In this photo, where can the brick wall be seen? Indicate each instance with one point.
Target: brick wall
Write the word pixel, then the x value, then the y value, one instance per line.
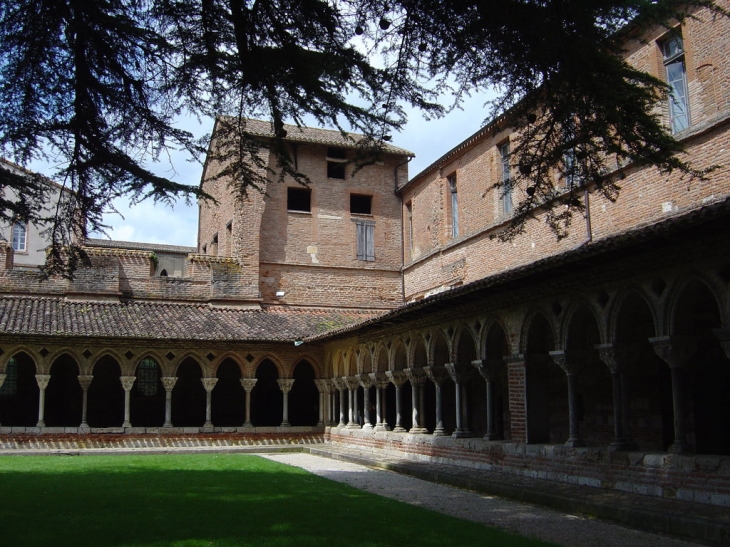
pixel 439 261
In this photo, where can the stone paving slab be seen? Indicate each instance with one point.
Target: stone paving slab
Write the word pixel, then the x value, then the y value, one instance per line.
pixel 702 523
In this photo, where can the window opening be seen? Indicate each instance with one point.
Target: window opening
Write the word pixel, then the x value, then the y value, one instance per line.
pixel 361 204
pixel 336 160
pixel 454 206
pixel 299 200
pixel 365 240
pixel 506 179
pixel 10 386
pixel 148 376
pixel 409 220
pixel 20 237
pixel 229 238
pixel 163 273
pixel 673 52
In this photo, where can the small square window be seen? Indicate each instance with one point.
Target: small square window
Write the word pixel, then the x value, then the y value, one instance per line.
pixel 361 204
pixel 336 160
pixel 299 199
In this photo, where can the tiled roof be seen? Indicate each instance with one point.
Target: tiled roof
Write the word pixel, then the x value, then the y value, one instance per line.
pixel 43 316
pixel 19 169
pixel 137 246
pixel 316 135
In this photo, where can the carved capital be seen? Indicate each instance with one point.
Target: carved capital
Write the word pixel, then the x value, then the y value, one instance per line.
pixel 723 335
pixel 436 373
pixel 248 383
pixel 676 351
pixel 487 368
pixel 339 384
pixel 285 384
pixel 323 386
pixel 610 357
pixel 209 383
pixel 42 380
pixel 365 381
pixel 459 373
pixel 351 382
pixel 85 381
pixel 2 379
pixel 397 377
pixel 380 379
pixel 417 376
pixel 168 382
pixel 127 382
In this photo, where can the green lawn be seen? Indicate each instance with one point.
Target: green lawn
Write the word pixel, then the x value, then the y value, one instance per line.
pixel 208 500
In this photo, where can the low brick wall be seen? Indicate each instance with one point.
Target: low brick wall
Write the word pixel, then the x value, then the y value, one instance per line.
pixel 696 478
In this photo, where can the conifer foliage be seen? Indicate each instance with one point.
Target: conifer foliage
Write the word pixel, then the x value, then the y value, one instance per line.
pixel 96 87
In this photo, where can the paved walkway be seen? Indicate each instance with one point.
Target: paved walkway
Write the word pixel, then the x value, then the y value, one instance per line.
pixel 569 530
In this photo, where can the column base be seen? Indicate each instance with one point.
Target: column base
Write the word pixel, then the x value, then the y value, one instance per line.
pixel 492 437
pixel 40 423
pixel 127 424
pixel 248 425
pixel 620 445
pixel 399 429
pixel 381 427
pixel 418 431
pixel 463 434
pixel 167 424
pixel 285 425
pixel 679 447
pixel 368 426
pixel 439 432
pixel 574 443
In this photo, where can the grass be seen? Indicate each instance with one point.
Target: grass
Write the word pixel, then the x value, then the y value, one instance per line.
pixel 209 500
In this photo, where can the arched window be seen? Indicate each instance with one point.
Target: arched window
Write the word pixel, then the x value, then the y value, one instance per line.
pixel 148 377
pixel 10 386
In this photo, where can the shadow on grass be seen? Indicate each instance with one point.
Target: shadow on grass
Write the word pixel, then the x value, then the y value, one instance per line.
pixel 208 500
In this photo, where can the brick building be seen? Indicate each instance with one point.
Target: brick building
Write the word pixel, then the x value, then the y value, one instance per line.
pixel 378 313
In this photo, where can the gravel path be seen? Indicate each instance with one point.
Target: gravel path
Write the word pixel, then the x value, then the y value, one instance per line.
pixel 521 518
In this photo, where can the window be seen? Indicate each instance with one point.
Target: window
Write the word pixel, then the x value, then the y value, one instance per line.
pixel 454 205
pixel 361 204
pixel 148 377
pixel 20 237
pixel 214 245
pixel 336 160
pixel 673 52
pixel 229 238
pixel 10 386
pixel 299 200
pixel 365 240
pixel 570 172
pixel 506 179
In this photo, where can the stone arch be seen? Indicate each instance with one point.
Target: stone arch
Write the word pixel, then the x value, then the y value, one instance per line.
pixel 631 293
pixel 51 358
pixel 228 355
pixel 105 403
pixel 147 398
pixel 382 360
pixel 594 397
pixel 546 386
pixel 646 384
pixel 189 356
pixel 122 361
pixel 64 393
pixel 19 394
pixel 466 347
pixel 304 395
pixel 266 396
pixel 400 356
pixel 695 313
pixel 280 369
pixel 188 395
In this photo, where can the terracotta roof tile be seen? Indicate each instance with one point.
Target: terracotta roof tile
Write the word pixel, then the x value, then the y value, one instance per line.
pixel 158 320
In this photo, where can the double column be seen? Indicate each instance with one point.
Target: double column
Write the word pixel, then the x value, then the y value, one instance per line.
pixel 366 382
pixel 618 359
pixel 487 369
pixel 676 351
pixel 381 382
pixel 285 384
pixel 438 375
pixel 461 374
pixel 417 377
pixel 398 378
pixel 569 362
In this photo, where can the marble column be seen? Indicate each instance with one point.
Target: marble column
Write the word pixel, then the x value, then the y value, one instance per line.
pixel 676 351
pixel 208 384
pixel 341 386
pixel 417 377
pixel 85 382
pixel 168 382
pixel 461 374
pixel 398 378
pixel 366 382
pixel 381 381
pixel 247 384
pixel 352 384
pixel 487 369
pixel 42 381
pixel 285 385
pixel 323 403
pixel 127 384
pixel 438 375
pixel 569 363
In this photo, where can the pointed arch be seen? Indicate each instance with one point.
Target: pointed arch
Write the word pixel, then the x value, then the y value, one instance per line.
pixel 64 393
pixel 19 399
pixel 266 396
pixel 228 395
pixel 147 398
pixel 188 395
pixel 400 356
pixel 105 407
pixel 304 395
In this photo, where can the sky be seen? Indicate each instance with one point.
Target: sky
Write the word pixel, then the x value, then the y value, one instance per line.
pixel 178 225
